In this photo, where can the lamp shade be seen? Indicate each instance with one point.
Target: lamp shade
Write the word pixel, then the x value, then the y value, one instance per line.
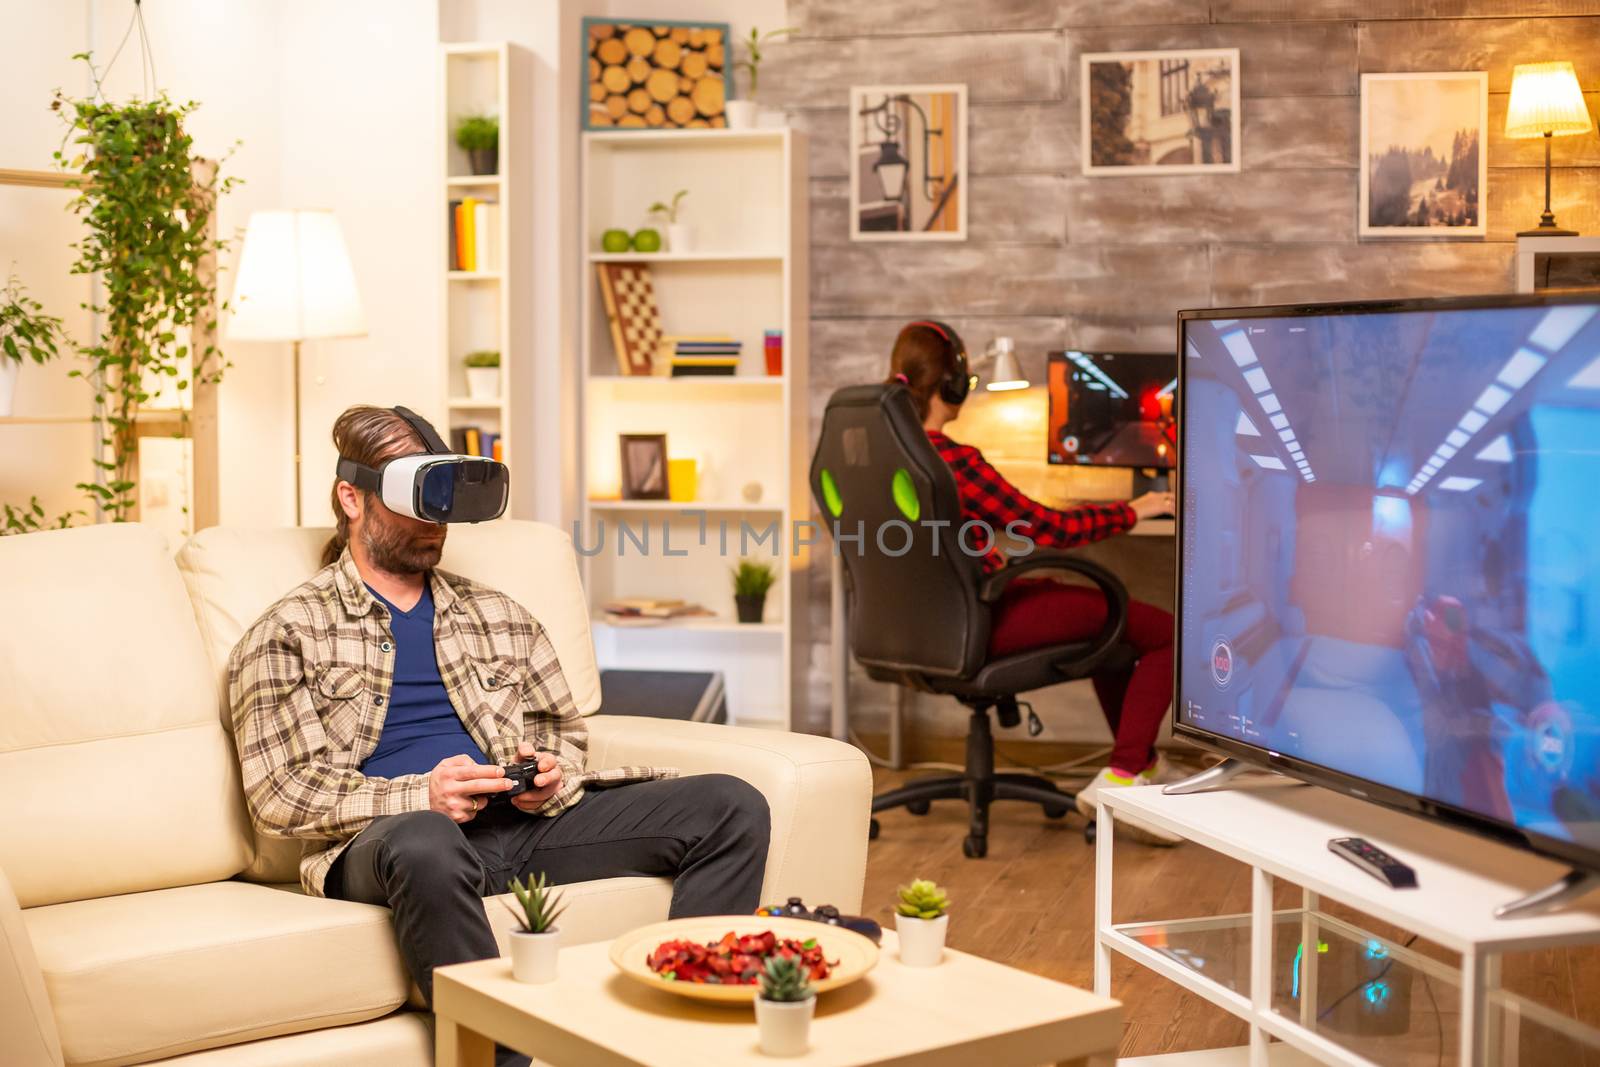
pixel 295 282
pixel 1545 98
pixel 1007 370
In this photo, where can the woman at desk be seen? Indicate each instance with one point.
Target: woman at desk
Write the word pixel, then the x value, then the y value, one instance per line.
pixel 930 360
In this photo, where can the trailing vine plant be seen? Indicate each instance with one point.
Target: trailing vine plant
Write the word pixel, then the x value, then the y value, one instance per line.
pixel 147 211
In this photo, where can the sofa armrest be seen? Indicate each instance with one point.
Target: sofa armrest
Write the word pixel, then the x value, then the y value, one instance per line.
pixel 26 1018
pixel 819 790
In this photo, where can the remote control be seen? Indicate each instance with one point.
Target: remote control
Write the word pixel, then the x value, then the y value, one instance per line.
pixel 1375 861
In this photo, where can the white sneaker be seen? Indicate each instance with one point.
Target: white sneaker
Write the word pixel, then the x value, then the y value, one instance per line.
pixel 1162 772
pixel 1134 828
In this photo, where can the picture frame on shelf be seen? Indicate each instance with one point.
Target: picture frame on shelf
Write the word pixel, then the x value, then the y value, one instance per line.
pixel 908 152
pixel 1424 163
pixel 1174 111
pixel 655 74
pixel 644 466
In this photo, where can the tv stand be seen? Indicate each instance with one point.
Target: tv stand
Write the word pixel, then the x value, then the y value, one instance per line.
pixel 1208 779
pixel 1557 894
pixel 1232 960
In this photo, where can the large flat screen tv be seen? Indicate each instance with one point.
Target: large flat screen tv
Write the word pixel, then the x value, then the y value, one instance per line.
pixel 1389 527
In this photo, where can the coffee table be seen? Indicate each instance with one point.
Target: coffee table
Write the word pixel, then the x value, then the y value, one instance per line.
pixel 966 1011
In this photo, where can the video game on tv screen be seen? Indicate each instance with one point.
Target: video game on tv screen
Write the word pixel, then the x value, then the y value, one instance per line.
pixel 1112 409
pixel 1391 551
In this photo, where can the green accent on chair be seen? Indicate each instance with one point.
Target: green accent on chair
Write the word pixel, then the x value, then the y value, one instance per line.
pixel 830 493
pixel 905 495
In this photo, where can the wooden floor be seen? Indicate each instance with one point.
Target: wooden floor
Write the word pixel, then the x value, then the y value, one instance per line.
pixel 1030 904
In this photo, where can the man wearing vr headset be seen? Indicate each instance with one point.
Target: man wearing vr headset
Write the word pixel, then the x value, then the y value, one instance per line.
pixel 377 707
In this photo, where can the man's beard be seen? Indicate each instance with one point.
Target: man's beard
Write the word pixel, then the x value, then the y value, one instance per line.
pixel 394 549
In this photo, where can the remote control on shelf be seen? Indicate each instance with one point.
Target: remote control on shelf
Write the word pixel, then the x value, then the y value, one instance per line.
pixel 1375 861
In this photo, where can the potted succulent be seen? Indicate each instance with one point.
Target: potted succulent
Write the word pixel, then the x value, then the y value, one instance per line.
pixel 479 137
pixel 679 237
pixel 921 917
pixel 751 580
pixel 483 374
pixel 742 113
pixel 784 1007
pixel 536 947
pixel 25 333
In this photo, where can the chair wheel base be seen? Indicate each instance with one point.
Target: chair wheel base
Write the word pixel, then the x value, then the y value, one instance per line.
pixel 873 829
pixel 919 807
pixel 975 848
pixel 1056 813
pixel 1090 833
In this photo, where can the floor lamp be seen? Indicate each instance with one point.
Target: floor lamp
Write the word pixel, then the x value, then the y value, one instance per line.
pixel 295 284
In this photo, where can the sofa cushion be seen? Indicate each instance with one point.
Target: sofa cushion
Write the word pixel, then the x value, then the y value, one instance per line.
pixel 404 1039
pixel 234 574
pixel 155 974
pixel 115 775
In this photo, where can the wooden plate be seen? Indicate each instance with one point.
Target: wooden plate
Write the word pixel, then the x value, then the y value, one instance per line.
pixel 856 955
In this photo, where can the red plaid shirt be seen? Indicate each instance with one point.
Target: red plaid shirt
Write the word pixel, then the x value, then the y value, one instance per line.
pixel 987 497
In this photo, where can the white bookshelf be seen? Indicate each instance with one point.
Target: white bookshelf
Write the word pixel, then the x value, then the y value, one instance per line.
pixel 748 273
pixel 480 310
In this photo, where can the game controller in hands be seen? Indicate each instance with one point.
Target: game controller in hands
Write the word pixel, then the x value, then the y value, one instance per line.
pixel 827 913
pixel 521 775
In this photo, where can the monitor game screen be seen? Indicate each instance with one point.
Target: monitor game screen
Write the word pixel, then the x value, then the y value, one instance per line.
pixel 1391 551
pixel 1112 409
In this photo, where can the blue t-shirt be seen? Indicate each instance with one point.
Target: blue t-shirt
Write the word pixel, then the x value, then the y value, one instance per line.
pixel 421 727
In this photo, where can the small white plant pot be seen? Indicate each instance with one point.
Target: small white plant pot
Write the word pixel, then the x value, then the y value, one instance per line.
pixel 533 956
pixel 921 940
pixel 741 114
pixel 9 369
pixel 483 383
pixel 680 237
pixel 785 1025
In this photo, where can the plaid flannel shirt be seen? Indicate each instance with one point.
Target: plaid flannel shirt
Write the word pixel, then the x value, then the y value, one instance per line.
pixel 987 497
pixel 309 682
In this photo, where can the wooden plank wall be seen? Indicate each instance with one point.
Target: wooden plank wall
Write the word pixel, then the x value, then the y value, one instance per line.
pixel 1054 257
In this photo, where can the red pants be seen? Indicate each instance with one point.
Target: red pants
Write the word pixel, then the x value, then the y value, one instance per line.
pixel 1034 612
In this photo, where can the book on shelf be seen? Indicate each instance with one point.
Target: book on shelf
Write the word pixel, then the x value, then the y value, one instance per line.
pixel 474 441
pixel 703 355
pixel 474 234
pixel 651 609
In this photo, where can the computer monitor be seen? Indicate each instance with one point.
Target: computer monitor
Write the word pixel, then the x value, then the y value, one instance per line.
pixel 1112 409
pixel 1389 576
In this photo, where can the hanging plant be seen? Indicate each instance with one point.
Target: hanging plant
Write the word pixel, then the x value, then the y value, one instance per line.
pixel 148 212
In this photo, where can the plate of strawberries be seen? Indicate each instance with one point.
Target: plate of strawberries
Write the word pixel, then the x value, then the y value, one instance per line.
pixel 720 958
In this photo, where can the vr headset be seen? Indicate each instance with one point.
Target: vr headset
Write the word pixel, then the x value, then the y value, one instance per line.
pixel 438 485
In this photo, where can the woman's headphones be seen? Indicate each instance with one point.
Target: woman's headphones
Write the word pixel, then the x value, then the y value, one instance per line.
pixel 957 381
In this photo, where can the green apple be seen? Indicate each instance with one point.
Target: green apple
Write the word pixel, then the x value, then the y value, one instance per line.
pixel 647 241
pixel 615 241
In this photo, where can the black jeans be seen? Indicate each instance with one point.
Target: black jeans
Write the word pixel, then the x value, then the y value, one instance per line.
pixel 708 832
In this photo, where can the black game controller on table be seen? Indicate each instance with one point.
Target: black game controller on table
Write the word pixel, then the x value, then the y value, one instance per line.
pixel 827 913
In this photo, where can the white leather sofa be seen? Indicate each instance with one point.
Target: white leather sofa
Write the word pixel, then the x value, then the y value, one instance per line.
pixel 142 920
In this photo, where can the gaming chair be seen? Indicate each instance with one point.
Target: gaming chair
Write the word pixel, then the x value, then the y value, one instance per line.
pixel 919 607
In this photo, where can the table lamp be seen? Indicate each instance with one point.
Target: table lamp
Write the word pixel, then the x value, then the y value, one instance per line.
pixel 1546 102
pixel 295 284
pixel 1005 371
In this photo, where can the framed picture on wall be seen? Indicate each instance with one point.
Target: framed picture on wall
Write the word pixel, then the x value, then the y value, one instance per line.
pixel 908 153
pixel 655 75
pixel 1423 166
pixel 1173 112
pixel 644 466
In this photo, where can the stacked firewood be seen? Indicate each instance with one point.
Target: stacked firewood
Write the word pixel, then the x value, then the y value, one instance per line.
pixel 662 76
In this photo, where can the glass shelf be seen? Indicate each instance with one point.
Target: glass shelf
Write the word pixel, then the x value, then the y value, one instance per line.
pixel 1392 1005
